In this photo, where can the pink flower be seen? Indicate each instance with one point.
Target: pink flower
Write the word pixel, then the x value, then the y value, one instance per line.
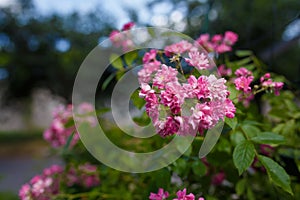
pixel 116 37
pixel 230 38
pixel 25 193
pixel 243 83
pixel 217 38
pixel 172 97
pixel 161 195
pixel 198 60
pixel 62 128
pixel 203 39
pixel 267 82
pixel 222 48
pixel 150 56
pixel 229 109
pixel 181 195
pixel 277 87
pixel 88 175
pixel 122 39
pixel 243 72
pixel 217 88
pixel 165 75
pixel 223 71
pixel 186 128
pixel 201 116
pixel 197 88
pixel 218 43
pixel 145 74
pixel 54 169
pixel 266 76
pixel 178 48
pixel 218 178
pixel 168 127
pixel 128 26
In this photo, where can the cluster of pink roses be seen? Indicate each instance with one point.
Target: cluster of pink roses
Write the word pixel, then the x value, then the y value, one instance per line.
pixel 45 186
pixel 181 195
pixel 166 97
pixel 62 126
pixel 268 83
pixel 218 43
pixel 122 39
pixel 243 83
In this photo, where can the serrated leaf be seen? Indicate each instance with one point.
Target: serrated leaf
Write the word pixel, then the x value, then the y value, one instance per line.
pixel 268 138
pixel 243 155
pixel 240 187
pixel 116 61
pixel 276 173
pixel 243 53
pixel 231 122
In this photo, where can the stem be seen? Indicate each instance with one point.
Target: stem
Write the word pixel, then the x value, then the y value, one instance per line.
pixel 247 137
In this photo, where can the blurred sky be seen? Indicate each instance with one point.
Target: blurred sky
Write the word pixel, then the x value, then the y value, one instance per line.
pixel 117 8
pixel 114 7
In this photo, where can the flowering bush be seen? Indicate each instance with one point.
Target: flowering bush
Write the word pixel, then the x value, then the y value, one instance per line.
pixel 183 96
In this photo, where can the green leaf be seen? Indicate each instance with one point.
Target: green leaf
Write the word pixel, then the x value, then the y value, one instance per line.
pixel 162 177
pixel 107 81
pixel 231 122
pixel 250 130
pixel 130 57
pixel 136 100
pixel 224 145
pixel 268 138
pixel 276 173
pixel 199 168
pixel 243 155
pixel 243 53
pixel 181 166
pixel 236 137
pixel 240 186
pixel 68 141
pixel 278 128
pixel 116 61
pixel 250 194
pixel 243 61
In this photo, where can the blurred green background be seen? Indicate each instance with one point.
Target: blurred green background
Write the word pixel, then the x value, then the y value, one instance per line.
pixel 43 42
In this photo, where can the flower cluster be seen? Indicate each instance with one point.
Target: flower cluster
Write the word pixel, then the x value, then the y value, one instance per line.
pixel 166 99
pixel 244 80
pixel 42 186
pixel 242 83
pixel 181 195
pixel 218 43
pixel 122 39
pixel 47 185
pixel 62 126
pixel 269 84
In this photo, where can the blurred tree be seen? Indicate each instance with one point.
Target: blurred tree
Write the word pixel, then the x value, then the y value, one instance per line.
pixel 270 28
pixel 46 51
